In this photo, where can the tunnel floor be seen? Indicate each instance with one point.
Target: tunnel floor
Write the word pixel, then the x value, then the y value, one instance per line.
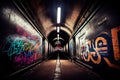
pixel 58 67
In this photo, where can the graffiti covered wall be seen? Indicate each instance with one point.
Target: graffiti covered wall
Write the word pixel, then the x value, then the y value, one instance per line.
pixel 20 43
pixel 98 42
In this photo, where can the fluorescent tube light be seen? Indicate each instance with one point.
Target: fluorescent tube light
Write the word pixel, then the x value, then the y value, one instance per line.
pixel 58 14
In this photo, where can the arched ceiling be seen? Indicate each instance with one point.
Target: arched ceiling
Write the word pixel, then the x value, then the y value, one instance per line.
pixel 44 14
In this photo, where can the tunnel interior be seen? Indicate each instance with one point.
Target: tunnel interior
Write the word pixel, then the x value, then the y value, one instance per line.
pixel 64 38
pixel 44 13
pixel 59 39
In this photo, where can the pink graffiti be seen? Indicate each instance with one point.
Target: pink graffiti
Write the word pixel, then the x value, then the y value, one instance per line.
pixel 21 59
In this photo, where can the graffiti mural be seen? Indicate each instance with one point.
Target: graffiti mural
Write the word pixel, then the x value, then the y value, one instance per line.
pixel 20 43
pixel 101 48
pixel 21 49
pixel 94 49
pixel 98 42
pixel 116 42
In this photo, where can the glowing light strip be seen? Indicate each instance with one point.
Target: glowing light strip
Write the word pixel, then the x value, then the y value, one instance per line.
pixel 58 14
pixel 58 29
pixel 58 36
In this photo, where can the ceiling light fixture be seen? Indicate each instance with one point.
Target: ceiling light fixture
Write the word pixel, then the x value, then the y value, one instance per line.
pixel 58 15
pixel 58 36
pixel 58 29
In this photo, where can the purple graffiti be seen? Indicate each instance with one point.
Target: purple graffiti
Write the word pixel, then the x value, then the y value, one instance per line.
pixel 23 60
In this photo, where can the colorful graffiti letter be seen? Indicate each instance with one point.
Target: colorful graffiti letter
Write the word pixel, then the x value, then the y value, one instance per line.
pixel 115 42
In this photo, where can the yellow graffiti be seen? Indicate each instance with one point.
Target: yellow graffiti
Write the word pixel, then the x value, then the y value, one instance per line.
pixel 115 40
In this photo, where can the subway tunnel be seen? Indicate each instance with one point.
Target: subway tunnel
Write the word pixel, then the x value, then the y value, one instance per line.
pixel 59 40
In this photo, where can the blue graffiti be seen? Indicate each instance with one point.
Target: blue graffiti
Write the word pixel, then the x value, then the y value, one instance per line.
pixel 16 48
pixel 17 45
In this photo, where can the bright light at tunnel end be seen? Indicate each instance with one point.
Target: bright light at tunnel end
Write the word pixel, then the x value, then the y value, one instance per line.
pixel 58 14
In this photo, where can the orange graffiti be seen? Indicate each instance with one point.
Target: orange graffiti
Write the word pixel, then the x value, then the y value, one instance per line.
pixel 100 48
pixel 94 50
pixel 115 40
pixel 90 57
pixel 87 59
pixel 98 60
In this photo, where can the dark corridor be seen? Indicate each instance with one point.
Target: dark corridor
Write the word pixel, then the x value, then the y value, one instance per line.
pixel 59 40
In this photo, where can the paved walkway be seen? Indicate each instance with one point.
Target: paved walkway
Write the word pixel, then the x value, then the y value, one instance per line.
pixel 71 71
pixel 58 68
